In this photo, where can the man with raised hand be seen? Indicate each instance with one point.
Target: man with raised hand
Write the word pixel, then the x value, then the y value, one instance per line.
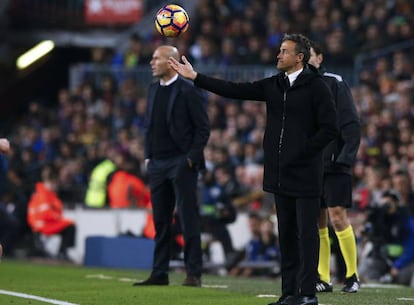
pixel 301 122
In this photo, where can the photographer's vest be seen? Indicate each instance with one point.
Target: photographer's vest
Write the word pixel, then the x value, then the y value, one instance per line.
pixel 96 192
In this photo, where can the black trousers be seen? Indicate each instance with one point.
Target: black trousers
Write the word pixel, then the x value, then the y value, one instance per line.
pixel 68 238
pixel 218 229
pixel 299 244
pixel 174 184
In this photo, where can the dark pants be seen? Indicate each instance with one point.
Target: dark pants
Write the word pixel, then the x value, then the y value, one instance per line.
pixel 218 229
pixel 173 183
pixel 68 239
pixel 299 244
pixel 9 231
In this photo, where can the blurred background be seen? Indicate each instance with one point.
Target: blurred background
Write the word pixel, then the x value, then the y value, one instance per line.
pixel 84 101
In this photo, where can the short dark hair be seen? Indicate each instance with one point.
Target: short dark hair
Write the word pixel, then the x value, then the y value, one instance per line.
pixel 302 45
pixel 316 47
pixel 394 195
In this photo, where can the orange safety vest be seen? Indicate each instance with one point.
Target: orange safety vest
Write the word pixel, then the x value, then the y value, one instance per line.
pixel 45 212
pixel 125 188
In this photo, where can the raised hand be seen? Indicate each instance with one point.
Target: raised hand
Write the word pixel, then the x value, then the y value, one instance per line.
pixel 186 69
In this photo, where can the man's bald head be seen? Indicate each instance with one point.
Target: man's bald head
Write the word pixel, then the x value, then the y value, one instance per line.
pixel 159 62
pixel 169 51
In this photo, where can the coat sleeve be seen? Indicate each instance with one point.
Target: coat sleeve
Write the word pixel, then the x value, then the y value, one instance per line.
pixel 147 120
pixel 349 125
pixel 244 91
pixel 327 127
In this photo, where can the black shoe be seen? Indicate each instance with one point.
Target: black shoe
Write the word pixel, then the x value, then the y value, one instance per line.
pixel 285 300
pixel 305 301
pixel 193 281
pixel 351 284
pixel 152 281
pixel 322 286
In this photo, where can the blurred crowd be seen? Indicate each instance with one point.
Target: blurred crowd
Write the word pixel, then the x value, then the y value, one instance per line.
pixel 97 122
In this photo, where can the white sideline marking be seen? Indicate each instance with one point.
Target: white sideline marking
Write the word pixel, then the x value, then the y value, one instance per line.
pixel 266 296
pixel 126 279
pixel 34 297
pixel 215 286
pixel 99 276
pixel 405 299
pixel 385 286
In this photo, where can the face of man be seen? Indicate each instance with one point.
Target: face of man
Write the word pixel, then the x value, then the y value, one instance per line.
pixel 315 60
pixel 159 63
pixel 288 60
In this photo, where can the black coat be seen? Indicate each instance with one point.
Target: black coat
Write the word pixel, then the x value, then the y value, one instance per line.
pixel 341 153
pixel 188 126
pixel 301 121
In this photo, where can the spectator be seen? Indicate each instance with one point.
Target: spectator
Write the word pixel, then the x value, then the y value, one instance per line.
pixel 261 248
pixel 45 213
pixel 125 189
pixel 96 193
pixel 390 233
pixel 134 54
pixel 217 209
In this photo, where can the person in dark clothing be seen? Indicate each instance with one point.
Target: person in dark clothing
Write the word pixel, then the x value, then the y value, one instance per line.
pixel 389 234
pixel 217 209
pixel 4 149
pixel 176 132
pixel 339 157
pixel 301 121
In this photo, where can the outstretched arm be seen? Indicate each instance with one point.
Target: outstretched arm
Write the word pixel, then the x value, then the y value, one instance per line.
pixel 243 91
pixel 185 70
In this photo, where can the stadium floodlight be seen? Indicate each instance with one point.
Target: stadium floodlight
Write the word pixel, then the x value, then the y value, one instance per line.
pixel 35 53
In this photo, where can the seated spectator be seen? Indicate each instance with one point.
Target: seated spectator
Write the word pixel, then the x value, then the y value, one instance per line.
pixel 217 209
pixel 261 249
pixel 390 234
pixel 45 213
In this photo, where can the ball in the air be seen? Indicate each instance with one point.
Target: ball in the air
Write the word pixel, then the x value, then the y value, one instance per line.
pixel 171 20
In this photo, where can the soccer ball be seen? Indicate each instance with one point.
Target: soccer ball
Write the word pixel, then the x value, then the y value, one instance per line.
pixel 171 20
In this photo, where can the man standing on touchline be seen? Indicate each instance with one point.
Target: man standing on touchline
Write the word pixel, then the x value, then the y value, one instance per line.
pixel 301 121
pixel 177 130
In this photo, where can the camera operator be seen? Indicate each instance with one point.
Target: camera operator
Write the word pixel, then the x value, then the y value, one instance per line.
pixel 390 234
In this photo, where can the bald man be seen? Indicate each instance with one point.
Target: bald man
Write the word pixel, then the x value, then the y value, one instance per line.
pixel 176 132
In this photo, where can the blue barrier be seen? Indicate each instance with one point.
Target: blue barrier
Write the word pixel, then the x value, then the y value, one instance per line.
pixel 119 252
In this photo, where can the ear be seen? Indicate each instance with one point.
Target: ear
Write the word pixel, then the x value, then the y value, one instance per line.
pixel 320 58
pixel 299 57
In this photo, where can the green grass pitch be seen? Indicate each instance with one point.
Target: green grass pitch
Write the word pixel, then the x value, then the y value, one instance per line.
pixel 40 284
